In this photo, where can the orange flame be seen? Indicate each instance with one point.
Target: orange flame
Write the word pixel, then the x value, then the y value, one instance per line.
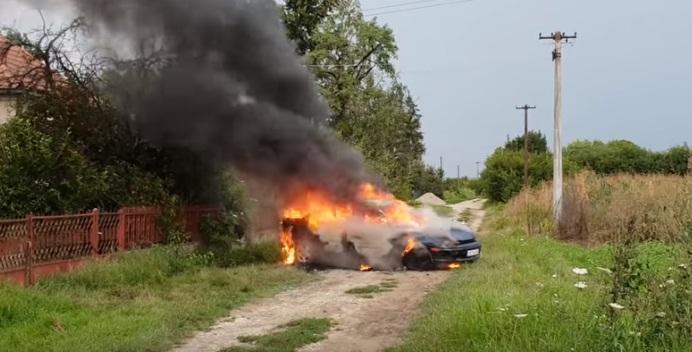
pixel 365 267
pixel 318 208
pixel 288 247
pixel 410 244
pixel 454 266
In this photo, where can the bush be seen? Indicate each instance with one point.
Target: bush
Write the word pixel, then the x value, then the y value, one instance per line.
pixel 46 174
pixel 428 179
pixel 42 174
pixel 458 191
pixel 267 252
pixel 503 176
pixel 621 156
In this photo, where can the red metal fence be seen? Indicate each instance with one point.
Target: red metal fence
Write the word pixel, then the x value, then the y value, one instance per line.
pixel 37 246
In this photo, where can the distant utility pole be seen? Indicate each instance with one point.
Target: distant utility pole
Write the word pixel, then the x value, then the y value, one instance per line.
pixel 689 159
pixel 557 37
pixel 478 169
pixel 526 109
pixel 441 163
pixel 458 172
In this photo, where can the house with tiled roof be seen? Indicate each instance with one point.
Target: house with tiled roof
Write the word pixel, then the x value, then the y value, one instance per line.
pixel 19 71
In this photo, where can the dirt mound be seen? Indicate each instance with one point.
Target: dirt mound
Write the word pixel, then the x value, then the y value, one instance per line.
pixel 430 199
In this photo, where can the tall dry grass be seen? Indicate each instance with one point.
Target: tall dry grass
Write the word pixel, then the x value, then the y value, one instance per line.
pixel 600 209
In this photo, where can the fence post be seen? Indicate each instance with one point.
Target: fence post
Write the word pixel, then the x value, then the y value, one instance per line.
pixel 120 232
pixel 94 233
pixel 29 251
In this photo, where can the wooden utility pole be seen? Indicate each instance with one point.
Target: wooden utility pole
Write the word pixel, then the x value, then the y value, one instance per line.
pixel 526 109
pixel 458 172
pixel 557 37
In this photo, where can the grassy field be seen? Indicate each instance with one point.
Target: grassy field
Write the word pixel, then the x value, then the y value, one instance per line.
pixel 615 208
pixel 521 296
pixel 141 301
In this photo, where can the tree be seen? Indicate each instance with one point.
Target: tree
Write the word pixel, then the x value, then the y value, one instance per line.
pixel 625 156
pixel 351 59
pixel 302 18
pixel 503 175
pixel 537 143
pixel 429 179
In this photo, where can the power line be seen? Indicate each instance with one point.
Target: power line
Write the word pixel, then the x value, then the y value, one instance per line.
pixel 417 8
pixel 399 5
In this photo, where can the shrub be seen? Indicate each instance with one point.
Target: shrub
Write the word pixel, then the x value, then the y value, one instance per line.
pixel 622 156
pixel 267 252
pixel 43 174
pixel 503 176
pixel 458 195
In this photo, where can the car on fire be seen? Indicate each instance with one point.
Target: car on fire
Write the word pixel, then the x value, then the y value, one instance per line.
pixel 425 249
pixel 442 248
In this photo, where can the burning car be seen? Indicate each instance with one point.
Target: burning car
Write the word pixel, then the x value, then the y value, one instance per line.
pixel 443 250
pixel 386 234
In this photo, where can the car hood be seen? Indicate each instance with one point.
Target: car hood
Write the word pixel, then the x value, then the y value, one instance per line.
pixel 447 237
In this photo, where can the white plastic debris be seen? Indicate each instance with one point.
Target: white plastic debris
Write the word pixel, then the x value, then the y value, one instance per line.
pixel 670 282
pixel 605 270
pixel 661 314
pixel 554 276
pixel 580 285
pixel 521 316
pixel 616 306
pixel 580 271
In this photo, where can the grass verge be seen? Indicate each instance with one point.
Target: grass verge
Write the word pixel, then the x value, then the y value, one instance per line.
pixel 140 301
pixel 287 338
pixel 521 296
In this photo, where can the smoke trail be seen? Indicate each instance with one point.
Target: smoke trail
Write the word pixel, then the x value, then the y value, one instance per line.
pixel 231 88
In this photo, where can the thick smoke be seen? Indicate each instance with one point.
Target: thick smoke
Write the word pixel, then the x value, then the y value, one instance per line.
pixel 230 88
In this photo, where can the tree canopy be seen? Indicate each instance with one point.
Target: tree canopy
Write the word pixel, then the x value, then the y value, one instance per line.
pixel 352 60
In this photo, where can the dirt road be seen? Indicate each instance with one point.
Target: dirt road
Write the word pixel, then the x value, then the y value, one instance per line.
pixel 361 324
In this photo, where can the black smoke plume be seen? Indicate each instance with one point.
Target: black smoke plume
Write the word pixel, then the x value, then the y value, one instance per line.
pixel 229 87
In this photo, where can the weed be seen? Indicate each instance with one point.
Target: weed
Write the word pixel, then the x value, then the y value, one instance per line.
pixel 443 210
pixel 287 338
pixel 465 215
pixel 369 290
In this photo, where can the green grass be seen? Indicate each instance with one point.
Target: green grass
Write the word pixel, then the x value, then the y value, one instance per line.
pixel 465 215
pixel 140 301
pixel 369 290
pixel 521 297
pixel 287 338
pixel 443 210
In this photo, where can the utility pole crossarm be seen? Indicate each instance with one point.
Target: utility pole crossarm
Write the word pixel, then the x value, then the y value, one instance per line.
pixel 557 36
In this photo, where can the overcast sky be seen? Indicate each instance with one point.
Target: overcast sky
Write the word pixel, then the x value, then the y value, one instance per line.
pixel 627 76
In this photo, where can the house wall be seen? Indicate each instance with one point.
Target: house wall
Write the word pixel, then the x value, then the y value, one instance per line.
pixel 6 108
